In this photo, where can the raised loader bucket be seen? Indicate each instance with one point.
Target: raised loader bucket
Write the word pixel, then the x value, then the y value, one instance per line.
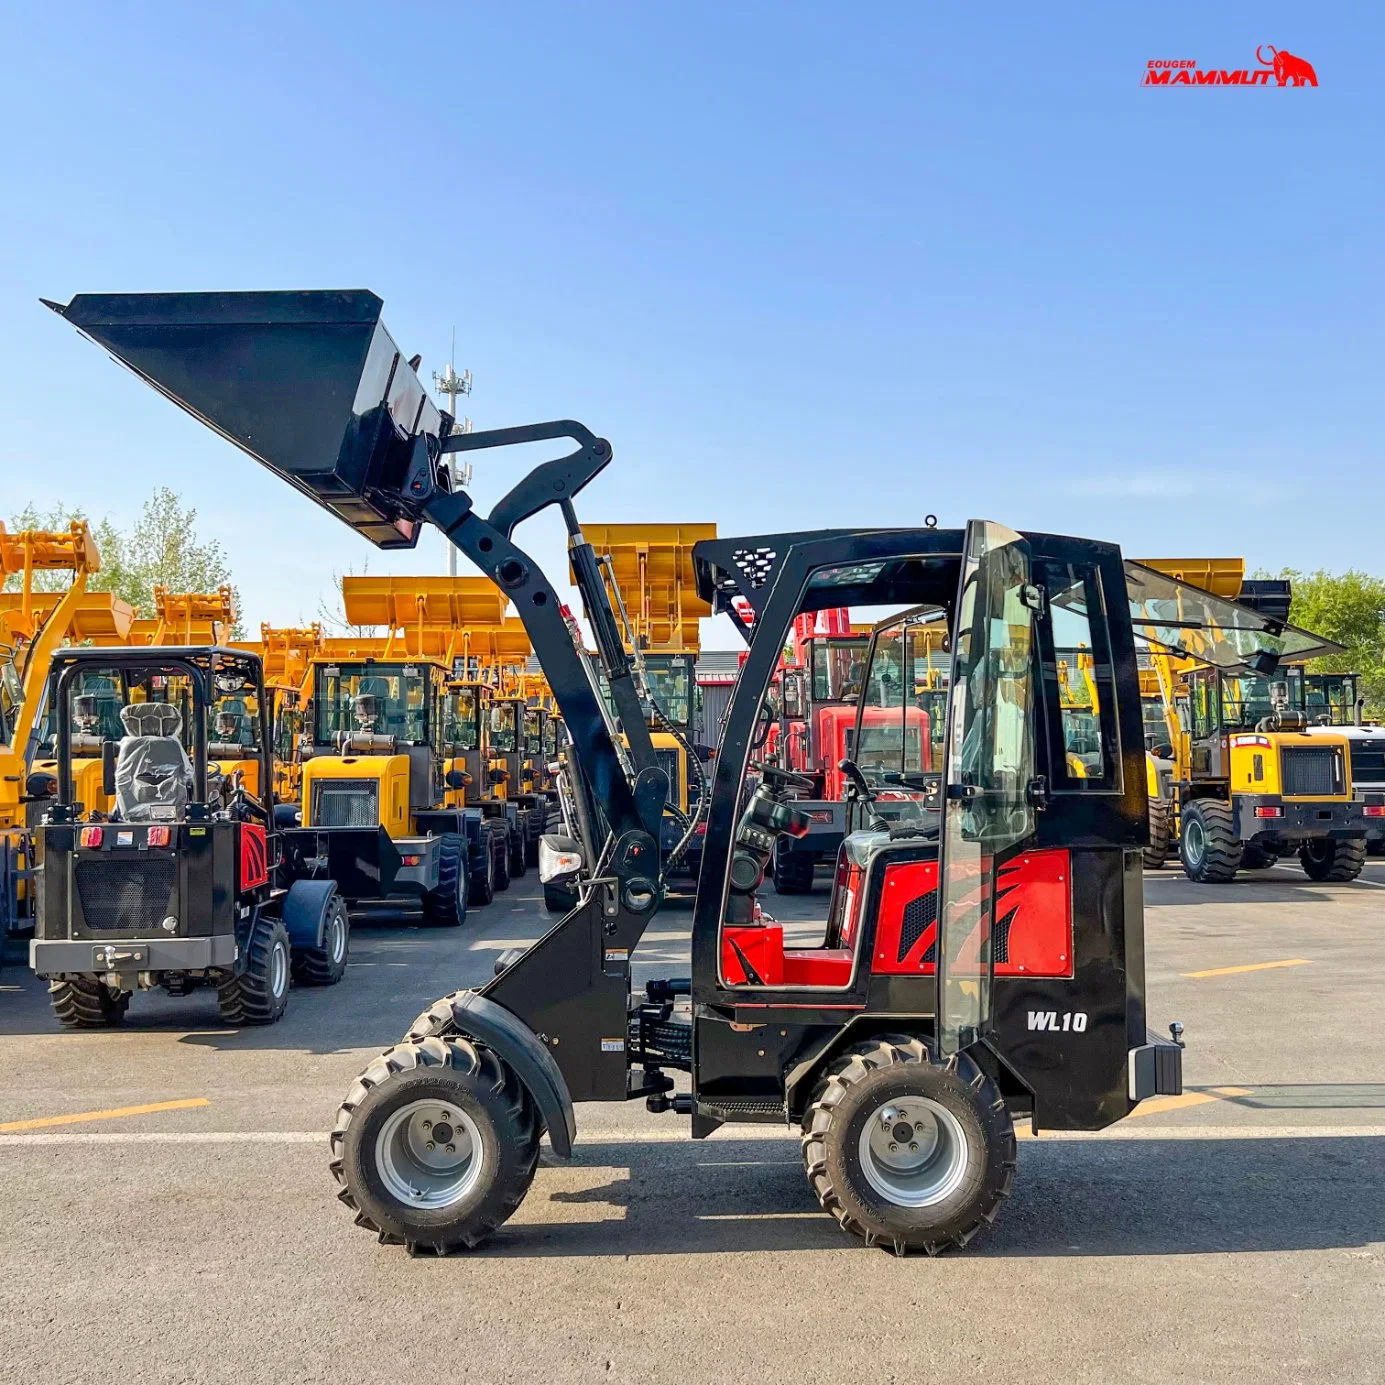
pixel 308 382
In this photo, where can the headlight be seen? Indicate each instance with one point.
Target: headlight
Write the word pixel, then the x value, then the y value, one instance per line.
pixel 559 859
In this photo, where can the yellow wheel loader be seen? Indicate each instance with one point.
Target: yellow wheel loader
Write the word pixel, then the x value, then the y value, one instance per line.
pixel 1251 784
pixel 33 626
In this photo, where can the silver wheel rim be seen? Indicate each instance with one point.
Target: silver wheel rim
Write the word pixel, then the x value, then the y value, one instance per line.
pixel 429 1154
pixel 918 1171
pixel 278 969
pixel 338 937
pixel 1196 839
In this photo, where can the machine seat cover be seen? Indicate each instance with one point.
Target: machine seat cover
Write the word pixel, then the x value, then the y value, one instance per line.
pixel 153 775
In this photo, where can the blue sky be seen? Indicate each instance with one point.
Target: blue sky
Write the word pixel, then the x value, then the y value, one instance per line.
pixel 804 265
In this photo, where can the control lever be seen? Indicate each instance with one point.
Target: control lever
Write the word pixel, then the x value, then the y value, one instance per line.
pixel 860 786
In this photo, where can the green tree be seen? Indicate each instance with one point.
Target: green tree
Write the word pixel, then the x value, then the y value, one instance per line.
pixel 161 549
pixel 1348 608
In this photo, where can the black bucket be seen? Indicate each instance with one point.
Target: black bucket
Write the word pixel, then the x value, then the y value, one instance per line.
pixel 309 383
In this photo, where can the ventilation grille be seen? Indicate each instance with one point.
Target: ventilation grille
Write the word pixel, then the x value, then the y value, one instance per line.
pixel 919 916
pixel 133 894
pixel 1311 771
pixel 346 803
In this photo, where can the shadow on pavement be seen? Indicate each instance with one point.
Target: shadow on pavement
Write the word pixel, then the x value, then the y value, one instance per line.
pixel 1071 1198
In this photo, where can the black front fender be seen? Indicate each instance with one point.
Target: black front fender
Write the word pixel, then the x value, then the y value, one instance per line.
pixel 499 1029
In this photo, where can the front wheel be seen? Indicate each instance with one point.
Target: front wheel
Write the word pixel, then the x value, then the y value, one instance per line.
pixel 326 965
pixel 260 993
pixel 1207 842
pixel 435 1145
pixel 503 856
pixel 1333 861
pixel 482 888
pixel 908 1152
pixel 1160 834
pixel 518 851
pixel 445 906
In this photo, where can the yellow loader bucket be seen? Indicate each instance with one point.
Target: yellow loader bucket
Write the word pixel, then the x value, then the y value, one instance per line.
pixel 653 570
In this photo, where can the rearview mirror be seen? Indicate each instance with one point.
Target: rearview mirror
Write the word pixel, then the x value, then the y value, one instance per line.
pixel 41 784
pixel 457 779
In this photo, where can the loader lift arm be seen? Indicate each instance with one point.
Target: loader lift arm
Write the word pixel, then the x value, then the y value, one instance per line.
pixel 488 543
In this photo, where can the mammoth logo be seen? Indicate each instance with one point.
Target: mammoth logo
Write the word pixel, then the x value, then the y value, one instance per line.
pixel 1287 68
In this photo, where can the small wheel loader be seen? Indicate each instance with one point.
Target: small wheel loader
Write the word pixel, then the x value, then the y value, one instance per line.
pixel 983 959
pixel 181 881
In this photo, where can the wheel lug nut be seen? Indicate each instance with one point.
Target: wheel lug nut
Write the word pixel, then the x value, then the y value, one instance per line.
pixel 914 1146
pixel 919 1127
pixel 451 1149
pixel 431 1145
pixel 427 1125
pixel 894 1148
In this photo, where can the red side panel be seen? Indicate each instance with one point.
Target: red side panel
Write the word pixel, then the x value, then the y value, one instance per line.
pixel 759 948
pixel 254 856
pixel 1033 918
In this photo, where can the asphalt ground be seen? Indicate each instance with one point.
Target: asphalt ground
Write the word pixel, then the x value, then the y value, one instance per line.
pixel 1236 1233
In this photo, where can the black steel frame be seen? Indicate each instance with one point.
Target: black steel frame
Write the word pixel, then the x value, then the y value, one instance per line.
pixel 199 663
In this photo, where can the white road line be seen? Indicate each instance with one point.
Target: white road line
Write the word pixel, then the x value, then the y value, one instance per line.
pixel 1360 879
pixel 1117 1134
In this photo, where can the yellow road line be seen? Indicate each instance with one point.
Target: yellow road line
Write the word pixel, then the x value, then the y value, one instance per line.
pixel 185 1104
pixel 1253 966
pixel 1154 1106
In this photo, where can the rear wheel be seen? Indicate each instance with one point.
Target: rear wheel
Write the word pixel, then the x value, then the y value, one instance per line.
pixel 519 848
pixel 326 965
pixel 1207 842
pixel 435 1145
pixel 260 993
pixel 908 1152
pixel 793 872
pixel 1160 834
pixel 84 1002
pixel 445 906
pixel 1333 861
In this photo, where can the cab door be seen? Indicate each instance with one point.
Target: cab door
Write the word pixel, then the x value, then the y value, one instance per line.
pixel 989 781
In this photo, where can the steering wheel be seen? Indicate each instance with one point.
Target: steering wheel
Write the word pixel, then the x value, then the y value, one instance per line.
pixel 782 780
pixel 769 715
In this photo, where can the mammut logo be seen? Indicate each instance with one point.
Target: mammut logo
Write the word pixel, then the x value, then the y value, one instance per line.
pixel 1285 68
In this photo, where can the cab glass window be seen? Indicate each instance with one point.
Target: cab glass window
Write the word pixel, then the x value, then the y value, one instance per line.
pixel 503 726
pixel 1087 754
pixel 372 699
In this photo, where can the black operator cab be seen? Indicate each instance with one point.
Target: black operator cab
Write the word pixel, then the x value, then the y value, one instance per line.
pixel 171 876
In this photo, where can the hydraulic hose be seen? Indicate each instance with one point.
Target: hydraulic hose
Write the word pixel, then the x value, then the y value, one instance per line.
pixel 661 719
